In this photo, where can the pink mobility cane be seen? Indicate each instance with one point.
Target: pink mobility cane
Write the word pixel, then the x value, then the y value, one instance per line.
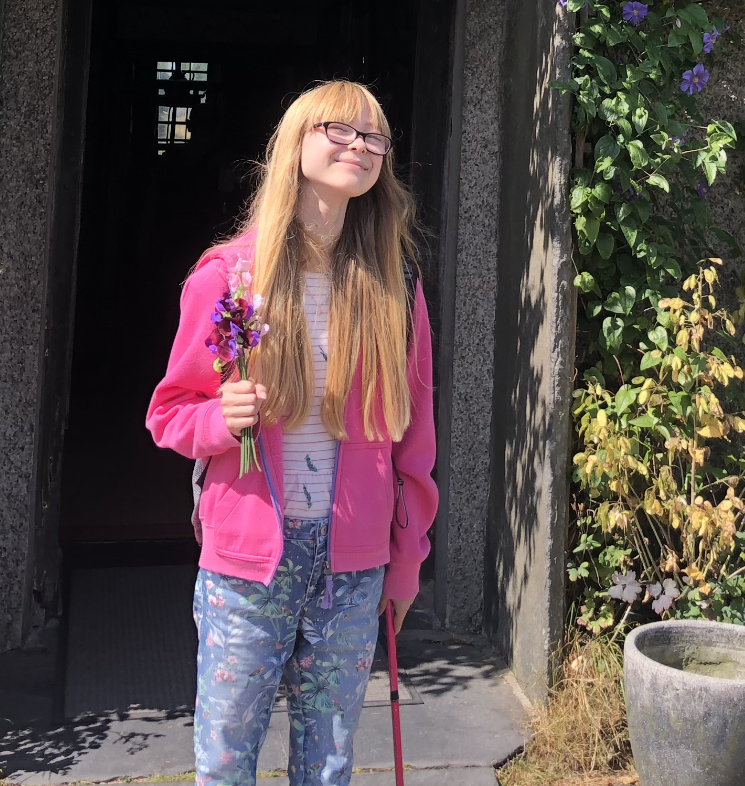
pixel 395 716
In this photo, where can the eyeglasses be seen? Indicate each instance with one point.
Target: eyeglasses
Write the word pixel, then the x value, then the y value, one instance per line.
pixel 342 134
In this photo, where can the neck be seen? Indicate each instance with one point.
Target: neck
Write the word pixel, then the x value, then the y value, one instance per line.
pixel 321 214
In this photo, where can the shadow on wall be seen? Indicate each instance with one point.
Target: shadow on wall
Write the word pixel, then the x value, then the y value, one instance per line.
pixel 533 352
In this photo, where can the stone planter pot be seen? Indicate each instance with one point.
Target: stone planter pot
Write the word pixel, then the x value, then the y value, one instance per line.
pixel 685 699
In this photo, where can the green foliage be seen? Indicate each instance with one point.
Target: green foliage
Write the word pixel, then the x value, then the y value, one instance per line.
pixel 659 468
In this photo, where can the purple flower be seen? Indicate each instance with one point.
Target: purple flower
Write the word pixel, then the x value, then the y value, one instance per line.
pixel 253 338
pixel 703 189
pixel 635 12
pixel 664 593
pixel 709 40
pixel 694 80
pixel 227 350
pixel 626 587
pixel 563 3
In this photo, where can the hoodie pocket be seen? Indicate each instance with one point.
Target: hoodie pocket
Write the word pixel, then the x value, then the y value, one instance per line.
pixel 365 496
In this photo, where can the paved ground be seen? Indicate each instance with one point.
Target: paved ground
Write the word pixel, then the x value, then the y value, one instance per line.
pixel 470 718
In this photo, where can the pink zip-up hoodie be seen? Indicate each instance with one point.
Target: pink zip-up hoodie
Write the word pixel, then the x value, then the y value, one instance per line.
pixel 242 517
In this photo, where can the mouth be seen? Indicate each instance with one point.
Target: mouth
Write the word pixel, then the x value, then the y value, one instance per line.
pixel 357 164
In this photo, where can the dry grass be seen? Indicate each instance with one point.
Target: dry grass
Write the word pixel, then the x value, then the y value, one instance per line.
pixel 580 736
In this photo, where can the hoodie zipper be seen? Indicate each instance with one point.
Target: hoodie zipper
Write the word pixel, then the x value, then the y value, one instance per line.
pixel 326 603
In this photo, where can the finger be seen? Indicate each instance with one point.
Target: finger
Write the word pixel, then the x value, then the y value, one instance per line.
pixel 261 391
pixel 238 424
pixel 243 386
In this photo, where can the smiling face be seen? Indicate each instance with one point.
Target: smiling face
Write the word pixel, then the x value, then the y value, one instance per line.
pixel 338 170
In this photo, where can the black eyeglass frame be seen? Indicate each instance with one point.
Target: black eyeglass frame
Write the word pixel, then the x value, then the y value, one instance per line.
pixel 327 123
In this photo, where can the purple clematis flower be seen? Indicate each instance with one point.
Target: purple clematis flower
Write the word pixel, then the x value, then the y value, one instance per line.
pixel 635 13
pixel 694 81
pixel 703 189
pixel 563 3
pixel 709 40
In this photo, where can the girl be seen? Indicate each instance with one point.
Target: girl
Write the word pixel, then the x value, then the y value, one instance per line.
pixel 300 558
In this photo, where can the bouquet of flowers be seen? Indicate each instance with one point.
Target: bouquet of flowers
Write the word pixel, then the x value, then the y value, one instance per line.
pixel 238 328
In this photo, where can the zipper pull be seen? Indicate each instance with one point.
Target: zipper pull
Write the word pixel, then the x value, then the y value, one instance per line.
pixel 400 496
pixel 327 601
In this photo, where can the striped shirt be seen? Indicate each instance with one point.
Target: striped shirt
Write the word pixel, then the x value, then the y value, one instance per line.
pixel 309 452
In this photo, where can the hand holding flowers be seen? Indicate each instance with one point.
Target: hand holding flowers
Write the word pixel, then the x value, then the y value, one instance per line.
pixel 238 328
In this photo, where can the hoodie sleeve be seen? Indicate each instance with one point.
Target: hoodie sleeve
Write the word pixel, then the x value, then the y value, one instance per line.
pixel 414 457
pixel 185 411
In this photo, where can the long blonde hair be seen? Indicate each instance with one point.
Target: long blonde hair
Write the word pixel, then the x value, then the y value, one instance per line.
pixel 368 305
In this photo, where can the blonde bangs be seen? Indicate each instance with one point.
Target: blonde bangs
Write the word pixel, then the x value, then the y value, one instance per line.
pixel 368 308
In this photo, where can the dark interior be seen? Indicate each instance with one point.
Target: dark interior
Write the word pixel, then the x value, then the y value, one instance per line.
pixel 153 201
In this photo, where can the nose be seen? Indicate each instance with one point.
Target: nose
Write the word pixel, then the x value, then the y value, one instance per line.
pixel 358 144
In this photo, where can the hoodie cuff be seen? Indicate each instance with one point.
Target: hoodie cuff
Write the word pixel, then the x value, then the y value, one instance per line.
pixel 401 581
pixel 215 434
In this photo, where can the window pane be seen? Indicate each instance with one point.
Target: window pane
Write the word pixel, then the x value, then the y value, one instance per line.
pixel 162 130
pixel 164 74
pixel 199 77
pixel 161 91
pixel 180 132
pixel 180 114
pixel 165 66
pixel 164 114
pixel 199 66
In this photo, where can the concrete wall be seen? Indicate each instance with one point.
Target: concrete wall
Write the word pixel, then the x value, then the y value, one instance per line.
pixel 534 351
pixel 513 337
pixel 28 62
pixel 724 99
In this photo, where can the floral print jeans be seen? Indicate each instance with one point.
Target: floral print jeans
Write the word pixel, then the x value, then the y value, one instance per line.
pixel 252 635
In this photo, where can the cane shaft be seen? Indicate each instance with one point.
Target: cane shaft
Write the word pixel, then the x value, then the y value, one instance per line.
pixel 395 712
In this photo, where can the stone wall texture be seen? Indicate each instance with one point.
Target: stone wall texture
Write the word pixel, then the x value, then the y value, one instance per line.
pixel 28 59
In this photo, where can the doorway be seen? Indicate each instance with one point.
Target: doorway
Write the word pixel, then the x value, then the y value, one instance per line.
pixel 182 97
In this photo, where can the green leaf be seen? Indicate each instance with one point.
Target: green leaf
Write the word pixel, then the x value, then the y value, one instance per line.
pixel 621 302
pixel 630 232
pixel 648 361
pixel 660 182
pixel 719 354
pixel 697 13
pixel 603 192
pixel 660 111
pixel 726 128
pixel 607 147
pixel 625 126
pixel 644 421
pixel 672 267
pixel 592 227
pixel 606 69
pixel 605 244
pixel 625 397
pixel 641 117
pixel 697 41
pixel 579 197
pixel 711 172
pixel 638 154
pixel 612 331
pixel 623 211
pixel 575 5
pixel 586 282
pixel 658 337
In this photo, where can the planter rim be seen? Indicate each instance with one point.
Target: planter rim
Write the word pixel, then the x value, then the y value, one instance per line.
pixel 701 679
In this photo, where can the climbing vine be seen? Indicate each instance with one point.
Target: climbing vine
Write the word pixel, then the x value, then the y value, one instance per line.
pixel 658 470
